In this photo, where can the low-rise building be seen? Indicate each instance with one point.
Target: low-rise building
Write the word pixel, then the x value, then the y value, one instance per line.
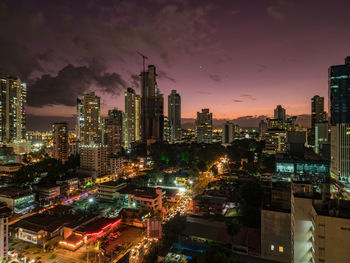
pixel 68 185
pixel 109 190
pixel 18 200
pixel 146 198
pixel 46 192
pixel 209 205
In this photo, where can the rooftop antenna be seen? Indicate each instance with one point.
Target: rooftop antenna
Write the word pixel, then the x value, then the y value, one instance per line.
pixel 143 59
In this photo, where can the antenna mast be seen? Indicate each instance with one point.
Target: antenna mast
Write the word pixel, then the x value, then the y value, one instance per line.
pixel 143 59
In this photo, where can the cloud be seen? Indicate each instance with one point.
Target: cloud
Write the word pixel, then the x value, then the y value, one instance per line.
pixel 215 77
pixel 50 36
pixel 163 75
pixel 277 10
pixel 71 82
pixel 248 96
pixel 204 92
pixel 237 100
pixel 135 81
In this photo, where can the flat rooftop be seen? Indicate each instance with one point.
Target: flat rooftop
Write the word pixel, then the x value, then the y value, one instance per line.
pixel 13 192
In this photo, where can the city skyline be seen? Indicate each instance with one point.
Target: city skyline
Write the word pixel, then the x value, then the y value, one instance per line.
pixel 264 51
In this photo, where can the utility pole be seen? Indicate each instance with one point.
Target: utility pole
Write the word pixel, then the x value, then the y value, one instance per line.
pixel 143 59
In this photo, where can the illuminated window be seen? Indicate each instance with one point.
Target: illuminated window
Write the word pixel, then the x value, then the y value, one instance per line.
pixel 272 247
pixel 280 249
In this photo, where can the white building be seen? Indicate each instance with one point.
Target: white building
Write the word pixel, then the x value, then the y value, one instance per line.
pixel 94 158
pixel 340 151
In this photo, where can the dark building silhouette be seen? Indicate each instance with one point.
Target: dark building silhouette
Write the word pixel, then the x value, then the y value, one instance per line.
pixel 339 93
pixel 152 101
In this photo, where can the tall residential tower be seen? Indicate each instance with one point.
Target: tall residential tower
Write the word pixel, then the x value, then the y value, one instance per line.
pixel 204 126
pixel 174 116
pixel 132 118
pixel 13 98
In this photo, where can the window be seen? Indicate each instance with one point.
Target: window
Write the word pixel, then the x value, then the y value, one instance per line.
pixel 272 247
pixel 280 249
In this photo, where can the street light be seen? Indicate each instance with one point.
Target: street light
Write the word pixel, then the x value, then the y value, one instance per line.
pixel 91 200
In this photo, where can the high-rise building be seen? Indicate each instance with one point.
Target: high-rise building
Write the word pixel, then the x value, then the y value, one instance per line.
pixel 317 110
pixel 318 115
pixel 204 126
pixel 80 120
pixel 340 151
pixel 93 158
pixel 152 117
pixel 228 133
pixel 339 104
pixel 276 141
pixel 91 128
pixel 262 129
pixel 166 130
pixel 321 137
pixel 132 118
pixel 113 128
pixel 280 113
pixel 60 141
pixel 174 116
pixel 339 93
pixel 12 110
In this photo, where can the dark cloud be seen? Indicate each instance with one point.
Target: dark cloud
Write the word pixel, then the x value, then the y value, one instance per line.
pixel 215 77
pixel 277 10
pixel 48 55
pixel 70 83
pixel 237 100
pixel 163 74
pixel 135 81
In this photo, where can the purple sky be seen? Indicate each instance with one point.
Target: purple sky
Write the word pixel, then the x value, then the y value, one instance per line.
pixel 239 58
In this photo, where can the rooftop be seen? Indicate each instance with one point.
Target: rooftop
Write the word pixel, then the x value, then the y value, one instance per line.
pixel 13 192
pixel 203 228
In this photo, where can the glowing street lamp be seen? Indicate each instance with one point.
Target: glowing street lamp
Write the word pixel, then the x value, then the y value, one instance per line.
pixel 91 200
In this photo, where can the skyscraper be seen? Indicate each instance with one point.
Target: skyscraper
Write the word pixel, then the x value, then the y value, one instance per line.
pixel 91 126
pixel 151 107
pixel 80 120
pixel 228 133
pixel 339 93
pixel 113 136
pixel 174 116
pixel 13 99
pixel 132 118
pixel 317 110
pixel 318 115
pixel 262 129
pixel 280 113
pixel 60 141
pixel 339 104
pixel 204 126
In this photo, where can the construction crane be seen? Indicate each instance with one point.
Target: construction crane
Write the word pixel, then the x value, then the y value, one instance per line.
pixel 143 59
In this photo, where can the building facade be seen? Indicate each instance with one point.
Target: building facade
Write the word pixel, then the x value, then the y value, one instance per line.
pixel 13 100
pixel 132 122
pixel 60 141
pixel 113 131
pixel 280 113
pixel 152 116
pixel 339 93
pixel 204 126
pixel 340 151
pixel 174 116
pixel 93 158
pixel 90 122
